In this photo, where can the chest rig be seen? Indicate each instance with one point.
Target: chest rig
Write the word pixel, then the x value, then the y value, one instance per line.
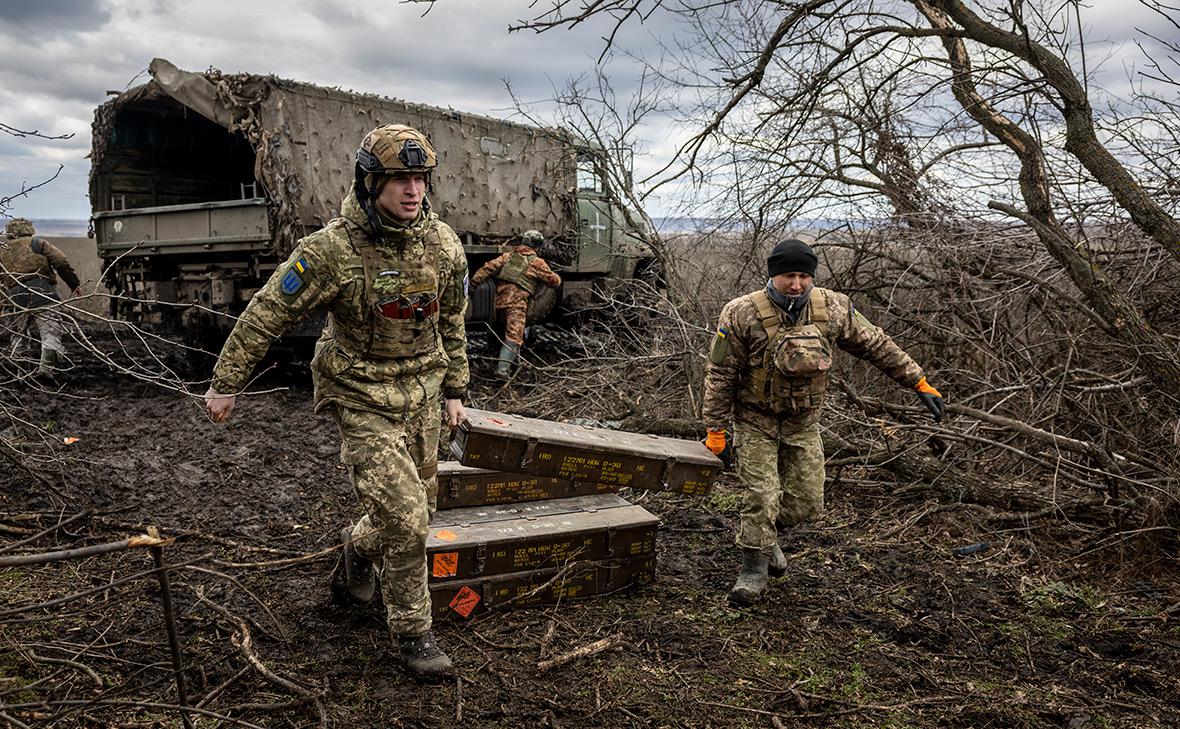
pixel 792 375
pixel 399 307
pixel 24 258
pixel 515 271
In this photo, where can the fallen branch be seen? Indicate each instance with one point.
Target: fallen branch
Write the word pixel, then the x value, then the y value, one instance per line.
pixel 589 649
pixel 44 532
pixel 24 560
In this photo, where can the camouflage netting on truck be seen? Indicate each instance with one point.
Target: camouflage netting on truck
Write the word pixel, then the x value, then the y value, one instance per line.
pixel 495 179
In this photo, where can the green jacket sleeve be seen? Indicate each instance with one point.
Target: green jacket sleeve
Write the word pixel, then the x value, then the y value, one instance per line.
pixel 727 358
pixel 855 334
pixel 61 265
pixel 452 306
pixel 305 281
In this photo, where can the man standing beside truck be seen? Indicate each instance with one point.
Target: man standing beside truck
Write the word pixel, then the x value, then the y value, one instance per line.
pixel 28 265
pixel 390 274
pixel 768 369
pixel 520 273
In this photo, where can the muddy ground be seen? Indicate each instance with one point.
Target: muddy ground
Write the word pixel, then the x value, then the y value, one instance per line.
pixel 877 622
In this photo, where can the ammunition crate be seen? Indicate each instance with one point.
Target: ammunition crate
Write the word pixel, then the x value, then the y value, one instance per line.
pixel 460 486
pixel 465 598
pixel 477 541
pixel 580 453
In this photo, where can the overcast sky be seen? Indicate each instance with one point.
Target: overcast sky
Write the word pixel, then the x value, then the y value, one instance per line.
pixel 58 59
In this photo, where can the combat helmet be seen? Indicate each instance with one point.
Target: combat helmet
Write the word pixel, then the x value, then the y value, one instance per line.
pixel 532 238
pixel 388 150
pixel 18 228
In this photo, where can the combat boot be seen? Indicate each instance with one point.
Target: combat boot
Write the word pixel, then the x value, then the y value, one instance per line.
pixel 422 657
pixel 776 565
pixel 47 370
pixel 353 580
pixel 508 354
pixel 752 581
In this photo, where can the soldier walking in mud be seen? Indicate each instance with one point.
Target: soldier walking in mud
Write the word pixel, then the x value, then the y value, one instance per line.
pixel 390 275
pixel 520 273
pixel 28 265
pixel 768 371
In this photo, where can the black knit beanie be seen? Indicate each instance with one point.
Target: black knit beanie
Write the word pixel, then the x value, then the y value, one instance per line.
pixel 791 256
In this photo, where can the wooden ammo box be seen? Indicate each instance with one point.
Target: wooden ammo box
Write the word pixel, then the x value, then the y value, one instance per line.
pixel 478 541
pixel 460 486
pixel 581 453
pixel 464 598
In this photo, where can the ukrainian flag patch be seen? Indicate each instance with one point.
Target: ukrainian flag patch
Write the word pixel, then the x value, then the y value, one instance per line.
pixel 292 282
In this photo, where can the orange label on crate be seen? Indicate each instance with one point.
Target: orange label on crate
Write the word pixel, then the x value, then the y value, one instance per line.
pixel 446 535
pixel 445 564
pixel 464 601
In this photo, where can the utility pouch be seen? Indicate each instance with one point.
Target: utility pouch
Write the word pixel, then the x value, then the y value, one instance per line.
pixel 719 347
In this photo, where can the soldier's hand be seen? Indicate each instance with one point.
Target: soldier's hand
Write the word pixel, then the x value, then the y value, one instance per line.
pixel 218 406
pixel 456 415
pixel 931 398
pixel 715 441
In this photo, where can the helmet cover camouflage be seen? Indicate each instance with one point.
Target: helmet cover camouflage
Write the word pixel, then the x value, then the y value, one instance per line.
pixel 18 228
pixel 394 148
pixel 532 238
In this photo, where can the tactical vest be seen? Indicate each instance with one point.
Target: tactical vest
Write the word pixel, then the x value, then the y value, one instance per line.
pixel 515 271
pixel 23 259
pixel 400 301
pixel 793 375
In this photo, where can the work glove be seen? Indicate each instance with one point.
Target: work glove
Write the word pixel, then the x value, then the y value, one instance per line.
pixel 931 398
pixel 719 443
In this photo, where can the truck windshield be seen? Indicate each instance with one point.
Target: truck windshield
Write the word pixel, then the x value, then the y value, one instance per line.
pixel 588 177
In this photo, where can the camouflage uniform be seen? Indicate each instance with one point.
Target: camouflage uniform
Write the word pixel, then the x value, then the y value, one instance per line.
pixel 516 281
pixel 29 267
pixel 775 396
pixel 394 340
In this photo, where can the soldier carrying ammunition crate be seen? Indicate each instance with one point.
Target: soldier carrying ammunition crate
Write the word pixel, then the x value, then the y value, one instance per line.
pixel 768 371
pixel 390 275
pixel 520 273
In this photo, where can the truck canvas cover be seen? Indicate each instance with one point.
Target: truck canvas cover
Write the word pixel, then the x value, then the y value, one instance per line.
pixel 185 138
pixel 460 486
pixel 465 598
pixel 481 541
pixel 581 453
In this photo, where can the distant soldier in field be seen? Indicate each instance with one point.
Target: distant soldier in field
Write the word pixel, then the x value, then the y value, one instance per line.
pixel 520 273
pixel 768 372
pixel 29 267
pixel 390 275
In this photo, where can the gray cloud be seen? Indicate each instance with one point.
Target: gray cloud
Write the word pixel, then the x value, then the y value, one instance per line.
pixel 51 17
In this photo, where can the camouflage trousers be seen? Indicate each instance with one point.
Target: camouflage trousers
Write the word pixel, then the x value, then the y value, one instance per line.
pixel 49 328
pixel 514 322
pixel 393 463
pixel 783 479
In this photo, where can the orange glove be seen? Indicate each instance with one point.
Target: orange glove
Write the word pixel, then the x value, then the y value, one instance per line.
pixel 931 398
pixel 715 441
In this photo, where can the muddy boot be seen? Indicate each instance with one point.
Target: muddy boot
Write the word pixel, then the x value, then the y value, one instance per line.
pixel 47 370
pixel 422 657
pixel 508 354
pixel 776 565
pixel 353 580
pixel 752 581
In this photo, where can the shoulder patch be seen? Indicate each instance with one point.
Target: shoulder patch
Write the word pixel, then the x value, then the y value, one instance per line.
pixel 294 279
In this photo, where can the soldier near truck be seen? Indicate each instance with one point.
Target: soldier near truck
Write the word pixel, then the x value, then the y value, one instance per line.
pixel 520 274
pixel 767 373
pixel 390 275
pixel 29 267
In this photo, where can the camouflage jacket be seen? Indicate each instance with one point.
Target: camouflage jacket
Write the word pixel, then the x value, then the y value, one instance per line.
pixel 24 260
pixel 395 334
pixel 508 294
pixel 781 403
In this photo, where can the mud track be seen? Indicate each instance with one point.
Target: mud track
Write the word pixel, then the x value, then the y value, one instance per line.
pixel 877 622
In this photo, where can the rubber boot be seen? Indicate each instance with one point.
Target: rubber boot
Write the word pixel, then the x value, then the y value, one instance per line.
pixel 508 355
pixel 422 657
pixel 47 370
pixel 776 565
pixel 353 580
pixel 752 581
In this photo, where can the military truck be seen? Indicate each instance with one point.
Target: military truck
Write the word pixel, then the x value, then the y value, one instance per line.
pixel 201 184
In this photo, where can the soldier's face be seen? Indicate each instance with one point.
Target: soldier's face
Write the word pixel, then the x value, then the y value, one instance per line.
pixel 401 196
pixel 792 284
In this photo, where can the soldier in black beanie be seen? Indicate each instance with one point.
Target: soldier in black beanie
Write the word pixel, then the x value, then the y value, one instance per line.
pixel 768 374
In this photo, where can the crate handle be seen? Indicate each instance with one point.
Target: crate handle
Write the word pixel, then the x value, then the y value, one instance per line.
pixel 530 450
